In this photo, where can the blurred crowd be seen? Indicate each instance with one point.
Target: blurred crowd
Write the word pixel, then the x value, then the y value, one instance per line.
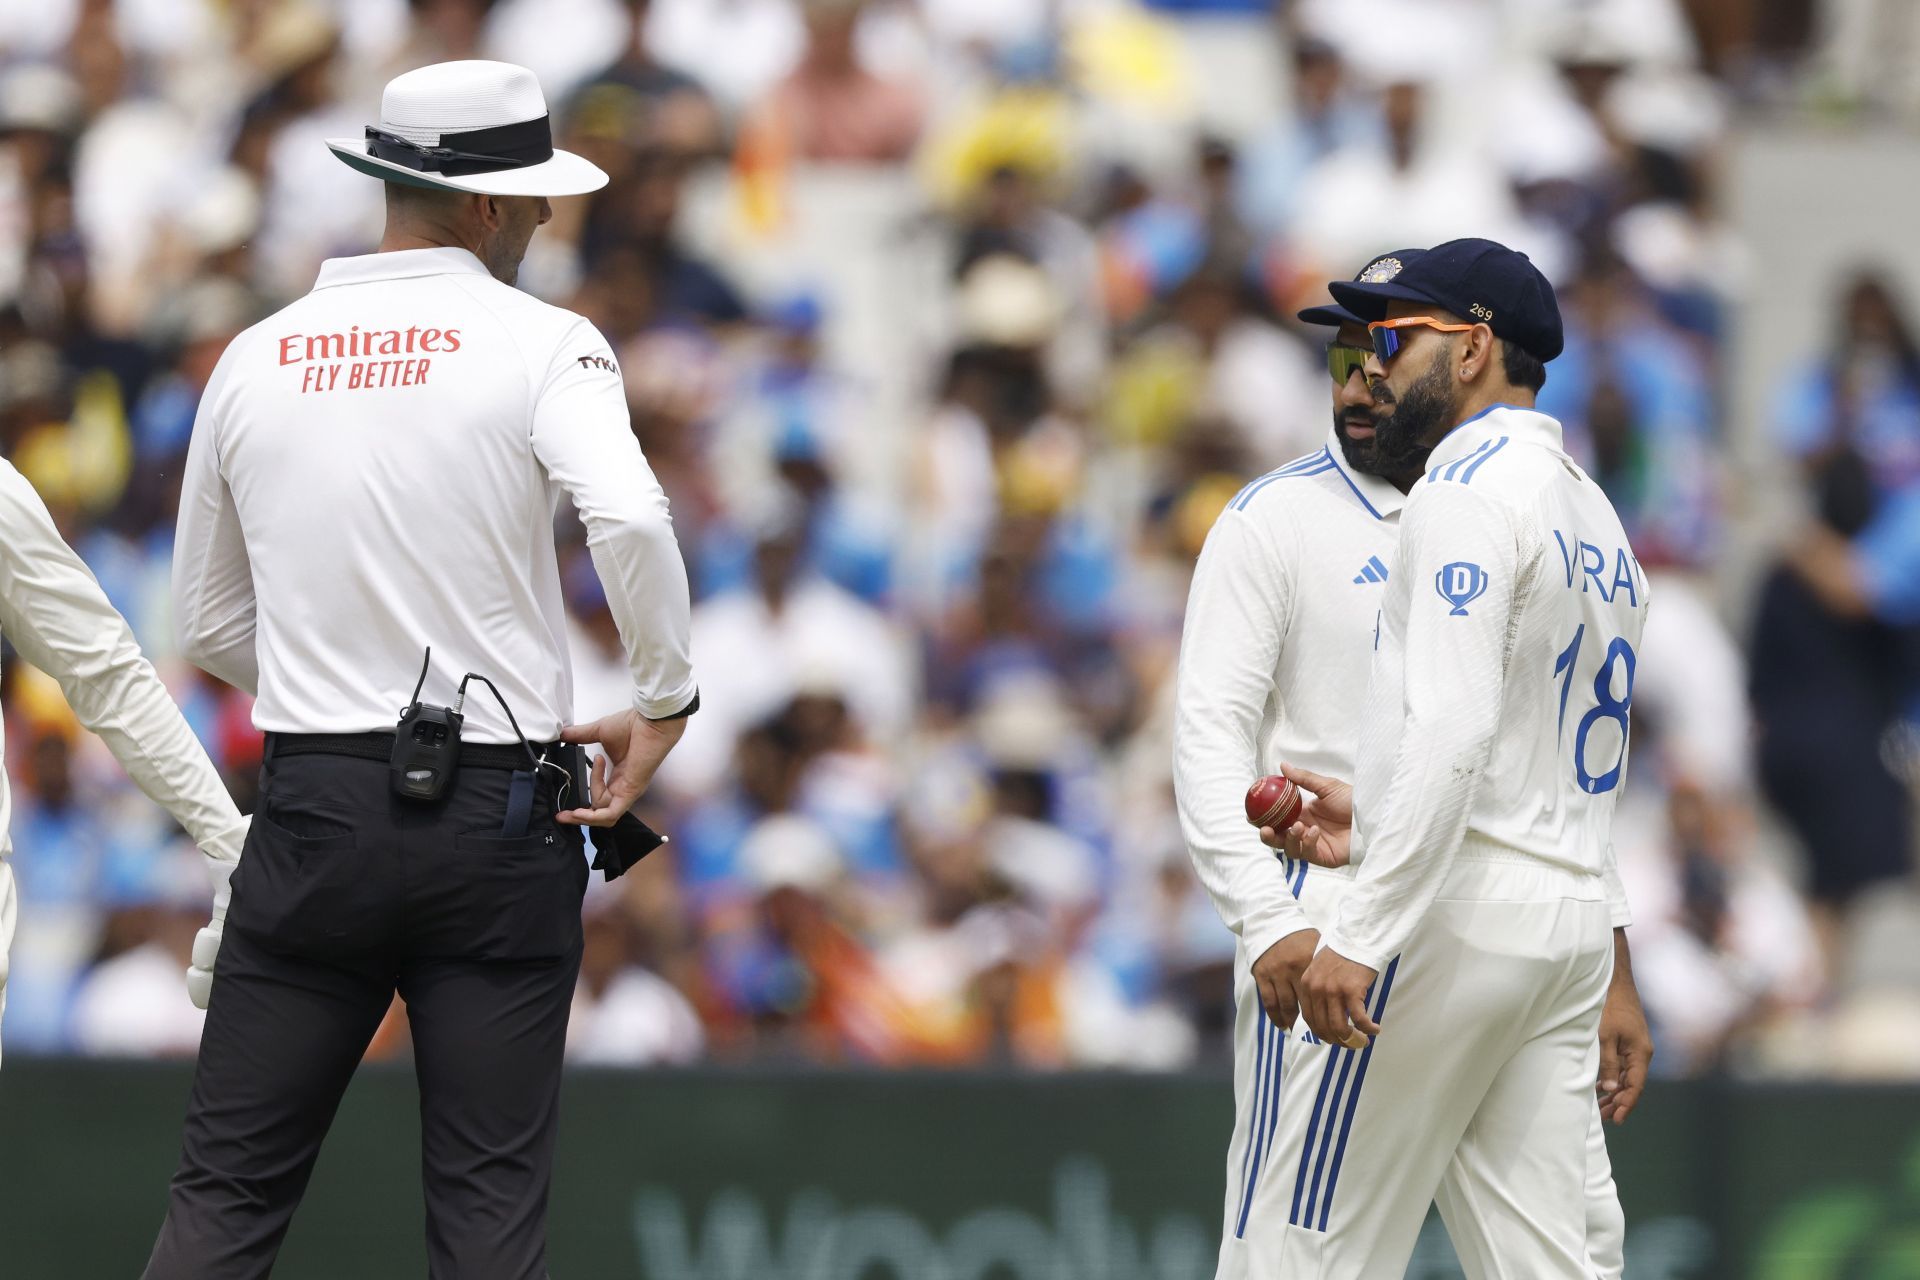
pixel 949 326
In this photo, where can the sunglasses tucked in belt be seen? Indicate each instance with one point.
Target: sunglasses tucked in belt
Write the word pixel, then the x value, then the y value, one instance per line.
pixel 1386 333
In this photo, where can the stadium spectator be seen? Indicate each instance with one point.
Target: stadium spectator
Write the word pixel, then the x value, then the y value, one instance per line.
pixel 131 1002
pixel 624 1013
pixel 1836 642
pixel 631 235
pixel 639 94
pixel 790 630
pixel 1223 363
pixel 1634 398
pixel 1723 947
pixel 1414 185
pixel 1859 403
pixel 442 31
pixel 1327 117
pixel 830 108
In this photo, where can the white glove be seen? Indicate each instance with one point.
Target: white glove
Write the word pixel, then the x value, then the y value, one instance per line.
pixel 223 856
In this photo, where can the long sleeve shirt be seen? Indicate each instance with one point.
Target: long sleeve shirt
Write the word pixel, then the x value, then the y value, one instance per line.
pixel 58 619
pixel 1274 656
pixel 1497 714
pixel 375 469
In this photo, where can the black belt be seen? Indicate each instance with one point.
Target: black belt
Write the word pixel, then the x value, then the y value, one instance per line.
pixel 379 746
pixel 615 848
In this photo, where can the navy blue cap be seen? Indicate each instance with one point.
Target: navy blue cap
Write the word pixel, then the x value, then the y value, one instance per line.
pixel 1473 279
pixel 1336 315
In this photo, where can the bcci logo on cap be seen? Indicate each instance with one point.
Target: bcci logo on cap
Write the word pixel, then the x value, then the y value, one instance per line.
pixel 1460 584
pixel 1380 270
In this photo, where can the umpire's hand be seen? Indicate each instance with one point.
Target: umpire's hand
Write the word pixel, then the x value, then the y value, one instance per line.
pixel 635 745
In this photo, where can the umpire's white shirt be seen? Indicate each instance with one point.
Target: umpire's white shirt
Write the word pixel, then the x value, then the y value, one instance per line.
pixel 376 468
pixel 1280 621
pixel 1496 717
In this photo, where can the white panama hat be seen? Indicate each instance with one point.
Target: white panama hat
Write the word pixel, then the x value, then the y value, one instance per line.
pixel 468 126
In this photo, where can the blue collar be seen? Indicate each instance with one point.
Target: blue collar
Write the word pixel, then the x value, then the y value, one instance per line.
pixel 1381 500
pixel 1516 422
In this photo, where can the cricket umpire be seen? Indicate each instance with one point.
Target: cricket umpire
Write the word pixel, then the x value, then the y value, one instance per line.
pixel 373 475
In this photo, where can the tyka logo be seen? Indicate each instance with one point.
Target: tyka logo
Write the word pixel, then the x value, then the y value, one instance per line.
pixel 1460 584
pixel 597 362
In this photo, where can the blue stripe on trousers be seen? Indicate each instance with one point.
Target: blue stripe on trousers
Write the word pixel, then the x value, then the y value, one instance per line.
pixel 1278 1070
pixel 1250 1172
pixel 1313 1126
pixel 1326 1134
pixel 1346 1057
pixel 1353 1103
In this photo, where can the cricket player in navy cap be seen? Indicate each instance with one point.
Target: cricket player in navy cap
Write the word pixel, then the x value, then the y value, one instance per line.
pixel 1464 969
pixel 1274 665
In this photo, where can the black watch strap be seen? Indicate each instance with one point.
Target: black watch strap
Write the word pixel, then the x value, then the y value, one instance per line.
pixel 682 713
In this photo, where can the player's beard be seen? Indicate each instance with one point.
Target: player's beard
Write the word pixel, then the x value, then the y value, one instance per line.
pixel 1363 455
pixel 1406 428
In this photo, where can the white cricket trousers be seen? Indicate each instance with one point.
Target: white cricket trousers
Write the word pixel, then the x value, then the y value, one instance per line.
pixel 1477 1096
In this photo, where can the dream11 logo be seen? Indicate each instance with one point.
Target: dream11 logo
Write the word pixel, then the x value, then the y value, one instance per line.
pixel 1460 584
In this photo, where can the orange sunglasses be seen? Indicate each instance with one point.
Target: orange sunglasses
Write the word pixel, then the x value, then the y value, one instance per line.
pixel 1387 340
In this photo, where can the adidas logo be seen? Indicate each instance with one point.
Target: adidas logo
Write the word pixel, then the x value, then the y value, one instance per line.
pixel 1372 571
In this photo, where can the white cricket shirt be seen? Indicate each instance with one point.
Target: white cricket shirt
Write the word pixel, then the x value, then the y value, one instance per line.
pixel 1274 656
pixel 1497 712
pixel 376 468
pixel 59 619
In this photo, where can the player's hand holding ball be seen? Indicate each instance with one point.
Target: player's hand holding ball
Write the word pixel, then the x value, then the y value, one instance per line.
pixel 1315 828
pixel 1318 830
pixel 1273 803
pixel 1333 1000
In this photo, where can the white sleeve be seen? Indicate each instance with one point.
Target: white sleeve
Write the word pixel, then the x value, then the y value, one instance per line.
pixel 61 621
pixel 1454 681
pixel 1236 620
pixel 1617 907
pixel 582 436
pixel 214 608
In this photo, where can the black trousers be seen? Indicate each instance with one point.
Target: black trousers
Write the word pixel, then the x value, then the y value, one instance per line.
pixel 345 895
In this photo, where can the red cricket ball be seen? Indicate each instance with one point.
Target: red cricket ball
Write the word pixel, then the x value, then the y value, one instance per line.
pixel 1273 802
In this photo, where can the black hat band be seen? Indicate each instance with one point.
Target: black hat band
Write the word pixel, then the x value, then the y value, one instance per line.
pixel 505 146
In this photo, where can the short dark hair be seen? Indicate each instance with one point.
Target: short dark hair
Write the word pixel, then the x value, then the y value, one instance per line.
pixel 415 197
pixel 1524 369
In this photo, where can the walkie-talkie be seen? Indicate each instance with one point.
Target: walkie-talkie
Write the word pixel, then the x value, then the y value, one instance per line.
pixel 426 746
